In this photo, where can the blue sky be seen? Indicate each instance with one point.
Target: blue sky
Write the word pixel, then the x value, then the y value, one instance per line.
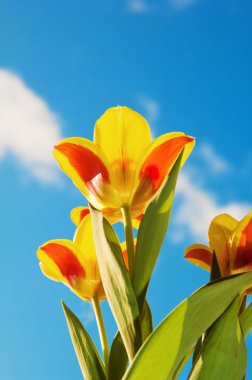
pixel 185 65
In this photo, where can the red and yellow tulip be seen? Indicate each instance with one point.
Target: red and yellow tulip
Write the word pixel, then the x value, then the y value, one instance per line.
pixel 74 262
pixel 231 241
pixel 122 167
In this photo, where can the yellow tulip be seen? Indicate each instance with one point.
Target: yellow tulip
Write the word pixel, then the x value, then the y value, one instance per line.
pixel 74 263
pixel 231 240
pixel 122 167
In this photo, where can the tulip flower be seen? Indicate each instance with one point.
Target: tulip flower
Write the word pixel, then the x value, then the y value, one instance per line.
pixel 122 167
pixel 74 262
pixel 232 243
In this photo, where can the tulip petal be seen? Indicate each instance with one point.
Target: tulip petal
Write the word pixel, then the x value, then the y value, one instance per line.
pixel 241 259
pixel 78 214
pixel 122 134
pixel 199 255
pixel 84 241
pixel 159 161
pixel 86 165
pixel 59 261
pixel 220 236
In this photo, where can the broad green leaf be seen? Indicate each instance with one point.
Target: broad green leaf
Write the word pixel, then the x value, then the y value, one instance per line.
pixel 224 354
pixel 118 359
pixel 183 363
pixel 246 320
pixel 152 232
pixel 166 347
pixel 116 283
pixel 146 321
pixel 89 360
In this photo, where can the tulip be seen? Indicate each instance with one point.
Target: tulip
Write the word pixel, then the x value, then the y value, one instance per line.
pixel 122 167
pixel 74 263
pixel 231 241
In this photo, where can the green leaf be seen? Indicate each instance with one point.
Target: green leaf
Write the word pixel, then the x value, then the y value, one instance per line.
pixel 166 347
pixel 118 359
pixel 152 232
pixel 89 360
pixel 183 363
pixel 224 354
pixel 246 320
pixel 146 321
pixel 116 283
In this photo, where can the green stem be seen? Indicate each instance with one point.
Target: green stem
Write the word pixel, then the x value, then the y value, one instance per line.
pixel 102 331
pixel 129 239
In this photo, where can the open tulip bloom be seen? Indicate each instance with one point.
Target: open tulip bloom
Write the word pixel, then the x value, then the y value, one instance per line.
pixel 122 167
pixel 126 176
pixel 232 243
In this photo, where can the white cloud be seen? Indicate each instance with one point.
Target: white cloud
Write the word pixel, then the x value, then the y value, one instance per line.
pixel 197 207
pixel 151 110
pixel 181 4
pixel 28 128
pixel 138 6
pixel 215 162
pixel 87 314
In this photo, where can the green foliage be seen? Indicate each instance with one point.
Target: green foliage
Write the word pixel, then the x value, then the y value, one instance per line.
pixel 116 282
pixel 152 232
pixel 90 362
pixel 224 355
pixel 162 353
pixel 246 320
pixel 118 359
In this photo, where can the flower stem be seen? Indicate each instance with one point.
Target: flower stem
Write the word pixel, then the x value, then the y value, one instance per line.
pixel 102 331
pixel 129 240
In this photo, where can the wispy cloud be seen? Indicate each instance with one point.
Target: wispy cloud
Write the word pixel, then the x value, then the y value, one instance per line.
pixel 151 110
pixel 198 206
pixel 28 128
pixel 87 314
pixel 215 162
pixel 138 6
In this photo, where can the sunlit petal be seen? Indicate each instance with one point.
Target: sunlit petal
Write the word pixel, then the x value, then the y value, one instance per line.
pixel 220 238
pixel 199 255
pixel 123 135
pixel 158 163
pixel 241 259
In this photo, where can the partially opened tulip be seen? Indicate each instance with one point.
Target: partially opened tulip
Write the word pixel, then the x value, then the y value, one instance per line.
pixel 74 262
pixel 231 241
pixel 122 167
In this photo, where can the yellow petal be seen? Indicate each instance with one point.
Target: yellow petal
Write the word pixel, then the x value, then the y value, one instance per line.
pixel 84 241
pixel 200 255
pixel 86 165
pixel 157 163
pixel 220 237
pixel 58 260
pixel 78 214
pixel 241 254
pixel 123 135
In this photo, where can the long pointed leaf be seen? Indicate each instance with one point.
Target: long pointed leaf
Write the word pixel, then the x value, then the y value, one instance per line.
pixel 152 232
pixel 246 320
pixel 168 344
pixel 116 283
pixel 118 359
pixel 224 354
pixel 90 362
